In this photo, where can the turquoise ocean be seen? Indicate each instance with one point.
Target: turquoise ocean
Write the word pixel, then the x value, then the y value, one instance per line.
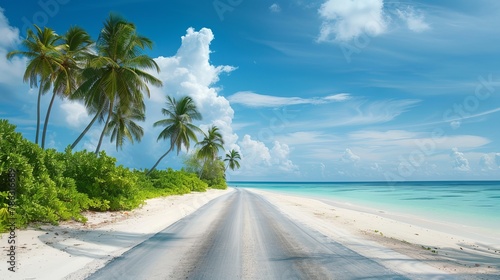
pixel 467 203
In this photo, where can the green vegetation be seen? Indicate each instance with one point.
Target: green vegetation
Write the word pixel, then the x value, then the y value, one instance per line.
pixel 110 77
pixel 430 249
pixel 54 186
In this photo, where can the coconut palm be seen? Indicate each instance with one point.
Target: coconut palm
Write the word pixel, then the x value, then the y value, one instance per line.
pixel 122 124
pixel 232 158
pixel 209 148
pixel 179 129
pixel 115 76
pixel 42 52
pixel 210 145
pixel 75 51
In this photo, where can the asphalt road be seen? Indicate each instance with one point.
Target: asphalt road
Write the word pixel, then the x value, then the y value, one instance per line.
pixel 241 236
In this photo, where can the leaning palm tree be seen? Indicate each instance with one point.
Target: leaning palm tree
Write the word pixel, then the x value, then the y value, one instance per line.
pixel 75 51
pixel 98 108
pixel 115 76
pixel 232 159
pixel 122 124
pixel 179 129
pixel 210 145
pixel 42 51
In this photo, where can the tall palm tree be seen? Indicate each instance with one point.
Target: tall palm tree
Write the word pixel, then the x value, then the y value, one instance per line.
pixel 178 124
pixel 42 51
pixel 115 76
pixel 75 51
pixel 210 144
pixel 122 124
pixel 232 158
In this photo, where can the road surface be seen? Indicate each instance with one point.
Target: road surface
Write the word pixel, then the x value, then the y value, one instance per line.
pixel 241 236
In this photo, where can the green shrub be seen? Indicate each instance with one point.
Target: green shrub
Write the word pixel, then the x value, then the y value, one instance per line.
pixel 109 187
pixel 54 186
pixel 176 182
pixel 43 193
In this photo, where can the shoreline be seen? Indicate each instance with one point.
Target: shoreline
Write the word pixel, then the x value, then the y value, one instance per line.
pixel 431 242
pixel 469 225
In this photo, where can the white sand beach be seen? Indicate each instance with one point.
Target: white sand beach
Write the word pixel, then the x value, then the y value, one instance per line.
pixel 406 245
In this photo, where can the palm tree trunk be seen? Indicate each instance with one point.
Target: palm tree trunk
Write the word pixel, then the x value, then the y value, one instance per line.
pixel 202 168
pixel 156 164
pixel 85 130
pixel 38 112
pixel 104 129
pixel 47 119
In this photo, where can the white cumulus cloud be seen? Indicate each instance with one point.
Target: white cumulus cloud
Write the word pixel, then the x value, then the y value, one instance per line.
pixel 349 157
pixel 459 161
pixel 76 113
pixel 486 162
pixel 344 20
pixel 279 157
pixel 189 72
pixel 10 35
pixel 254 153
pixel 12 71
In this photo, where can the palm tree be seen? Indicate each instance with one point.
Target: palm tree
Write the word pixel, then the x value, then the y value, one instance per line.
pixel 232 158
pixel 210 144
pixel 122 124
pixel 178 125
pixel 98 108
pixel 42 51
pixel 115 76
pixel 75 51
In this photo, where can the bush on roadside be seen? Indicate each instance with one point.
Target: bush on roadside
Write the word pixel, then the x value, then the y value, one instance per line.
pixel 43 193
pixel 176 182
pixel 54 186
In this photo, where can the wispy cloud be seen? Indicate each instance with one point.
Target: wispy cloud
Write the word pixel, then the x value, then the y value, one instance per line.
pixel 251 99
pixel 413 19
pixel 455 121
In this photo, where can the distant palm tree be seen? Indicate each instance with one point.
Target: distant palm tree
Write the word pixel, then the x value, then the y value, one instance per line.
pixel 232 158
pixel 210 144
pixel 122 124
pixel 209 148
pixel 75 51
pixel 178 125
pixel 42 51
pixel 115 76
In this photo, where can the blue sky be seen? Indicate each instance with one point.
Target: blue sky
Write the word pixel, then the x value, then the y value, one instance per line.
pixel 331 90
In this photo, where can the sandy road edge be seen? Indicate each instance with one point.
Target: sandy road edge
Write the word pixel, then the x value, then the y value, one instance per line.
pixel 74 251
